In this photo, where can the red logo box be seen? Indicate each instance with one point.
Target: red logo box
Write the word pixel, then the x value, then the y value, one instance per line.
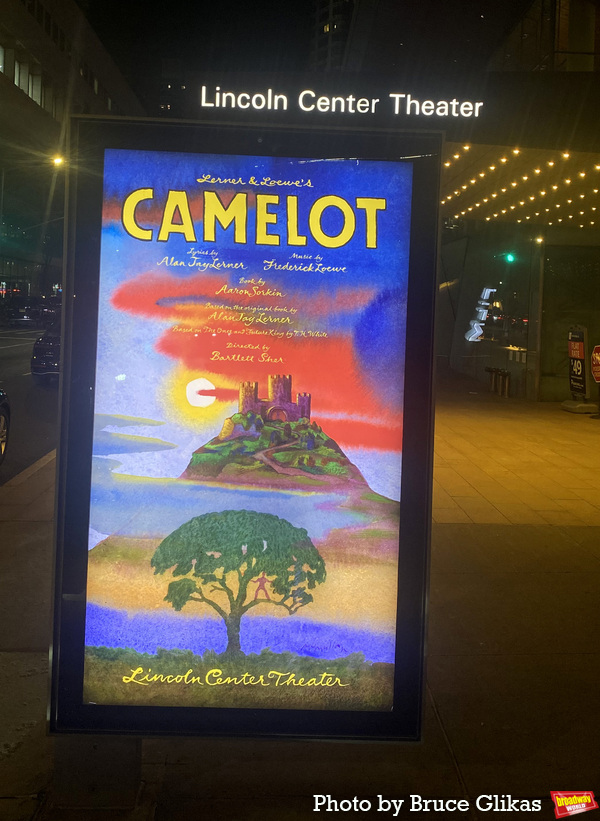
pixel 573 803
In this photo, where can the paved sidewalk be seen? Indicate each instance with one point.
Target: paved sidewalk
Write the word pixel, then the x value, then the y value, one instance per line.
pixel 512 703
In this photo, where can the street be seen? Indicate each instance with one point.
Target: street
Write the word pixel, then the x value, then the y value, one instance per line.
pixel 34 407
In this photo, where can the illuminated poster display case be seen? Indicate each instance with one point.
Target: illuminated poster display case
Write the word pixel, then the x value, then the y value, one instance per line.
pixel 246 451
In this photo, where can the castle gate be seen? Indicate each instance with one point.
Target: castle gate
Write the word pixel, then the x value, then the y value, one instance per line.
pixel 277 415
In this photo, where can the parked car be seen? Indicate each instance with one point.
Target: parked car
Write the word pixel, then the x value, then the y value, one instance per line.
pixel 45 358
pixel 50 310
pixel 4 422
pixel 25 311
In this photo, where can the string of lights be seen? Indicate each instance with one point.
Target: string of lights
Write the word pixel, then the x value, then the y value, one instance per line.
pixel 521 185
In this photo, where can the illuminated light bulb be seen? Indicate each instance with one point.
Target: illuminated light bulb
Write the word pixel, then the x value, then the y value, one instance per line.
pixel 554 187
pixel 487 219
pixel 457 193
pixel 447 164
pixel 560 219
pixel 477 204
pixel 539 240
pixel 503 159
pixel 492 167
pixel 485 199
pixel 537 170
pixel 581 226
pixel 457 156
pixel 597 167
pixel 466 147
pixel 463 213
pixel 503 190
pixel 522 202
pixel 549 223
pixel 519 220
pixel 527 217
pixel 566 155
pixel 595 190
pixel 532 198
pixel 512 207
pixel 472 182
pixel 570 216
pixel 470 208
pixel 494 195
pixel 546 209
pixel 495 215
pixel 582 174
pixel 525 177
pixel 515 151
pixel 557 205
pixel 593 207
pixel 581 196
pixel 482 173
pixel 542 193
pixel 463 187
pixel 592 222
pixel 550 163
pixel 582 212
pixel 504 210
pixel 569 201
pixel 514 184
pixel 567 182
pixel 537 213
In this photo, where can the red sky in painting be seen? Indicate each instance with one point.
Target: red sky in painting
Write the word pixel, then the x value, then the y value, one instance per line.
pixel 209 339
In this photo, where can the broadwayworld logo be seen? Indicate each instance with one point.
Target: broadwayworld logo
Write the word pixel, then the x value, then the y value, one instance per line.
pixel 573 803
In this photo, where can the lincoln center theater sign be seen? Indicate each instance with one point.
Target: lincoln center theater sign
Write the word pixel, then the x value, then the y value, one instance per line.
pixel 245 467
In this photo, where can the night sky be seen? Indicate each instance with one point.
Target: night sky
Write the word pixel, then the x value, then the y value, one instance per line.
pixel 264 35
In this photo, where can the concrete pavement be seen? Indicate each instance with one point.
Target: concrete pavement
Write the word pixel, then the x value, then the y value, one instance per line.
pixel 512 704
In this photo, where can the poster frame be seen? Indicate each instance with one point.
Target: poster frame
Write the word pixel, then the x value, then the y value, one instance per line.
pixel 89 137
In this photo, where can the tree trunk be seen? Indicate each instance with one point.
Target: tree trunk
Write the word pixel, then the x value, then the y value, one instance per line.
pixel 233 635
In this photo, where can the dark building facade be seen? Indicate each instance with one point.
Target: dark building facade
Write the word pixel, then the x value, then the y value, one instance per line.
pixel 52 65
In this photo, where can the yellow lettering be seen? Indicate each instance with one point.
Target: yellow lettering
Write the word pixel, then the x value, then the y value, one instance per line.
pixel 177 201
pixel 265 218
pixel 293 237
pixel 348 228
pixel 128 216
pixel 215 211
pixel 371 205
pixel 132 678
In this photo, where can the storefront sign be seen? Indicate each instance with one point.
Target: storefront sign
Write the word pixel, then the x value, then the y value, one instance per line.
pixel 244 335
pixel 577 343
pixel 308 100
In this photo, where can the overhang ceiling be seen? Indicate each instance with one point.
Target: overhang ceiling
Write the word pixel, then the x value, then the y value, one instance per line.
pixel 495 183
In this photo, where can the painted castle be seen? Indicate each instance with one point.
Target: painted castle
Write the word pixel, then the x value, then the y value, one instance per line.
pixel 278 406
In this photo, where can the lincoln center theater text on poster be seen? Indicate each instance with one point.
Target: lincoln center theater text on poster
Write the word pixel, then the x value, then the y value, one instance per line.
pixel 245 494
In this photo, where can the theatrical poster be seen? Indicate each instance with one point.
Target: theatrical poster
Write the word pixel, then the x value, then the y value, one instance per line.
pixel 244 511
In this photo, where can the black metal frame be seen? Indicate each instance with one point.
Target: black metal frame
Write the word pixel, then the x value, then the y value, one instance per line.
pixel 89 138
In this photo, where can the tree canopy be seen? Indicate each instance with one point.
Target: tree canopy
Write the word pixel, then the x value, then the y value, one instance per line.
pixel 219 554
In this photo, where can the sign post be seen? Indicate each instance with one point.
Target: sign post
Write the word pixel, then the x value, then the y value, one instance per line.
pixel 577 363
pixel 579 377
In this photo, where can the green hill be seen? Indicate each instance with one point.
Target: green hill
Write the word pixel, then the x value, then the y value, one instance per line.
pixel 248 449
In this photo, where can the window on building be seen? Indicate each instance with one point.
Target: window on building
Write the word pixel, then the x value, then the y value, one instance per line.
pixel 34 88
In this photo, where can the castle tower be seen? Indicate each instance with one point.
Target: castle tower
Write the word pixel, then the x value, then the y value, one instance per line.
pixel 303 402
pixel 248 397
pixel 280 388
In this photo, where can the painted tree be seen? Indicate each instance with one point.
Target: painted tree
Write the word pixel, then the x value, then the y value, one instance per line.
pixel 220 554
